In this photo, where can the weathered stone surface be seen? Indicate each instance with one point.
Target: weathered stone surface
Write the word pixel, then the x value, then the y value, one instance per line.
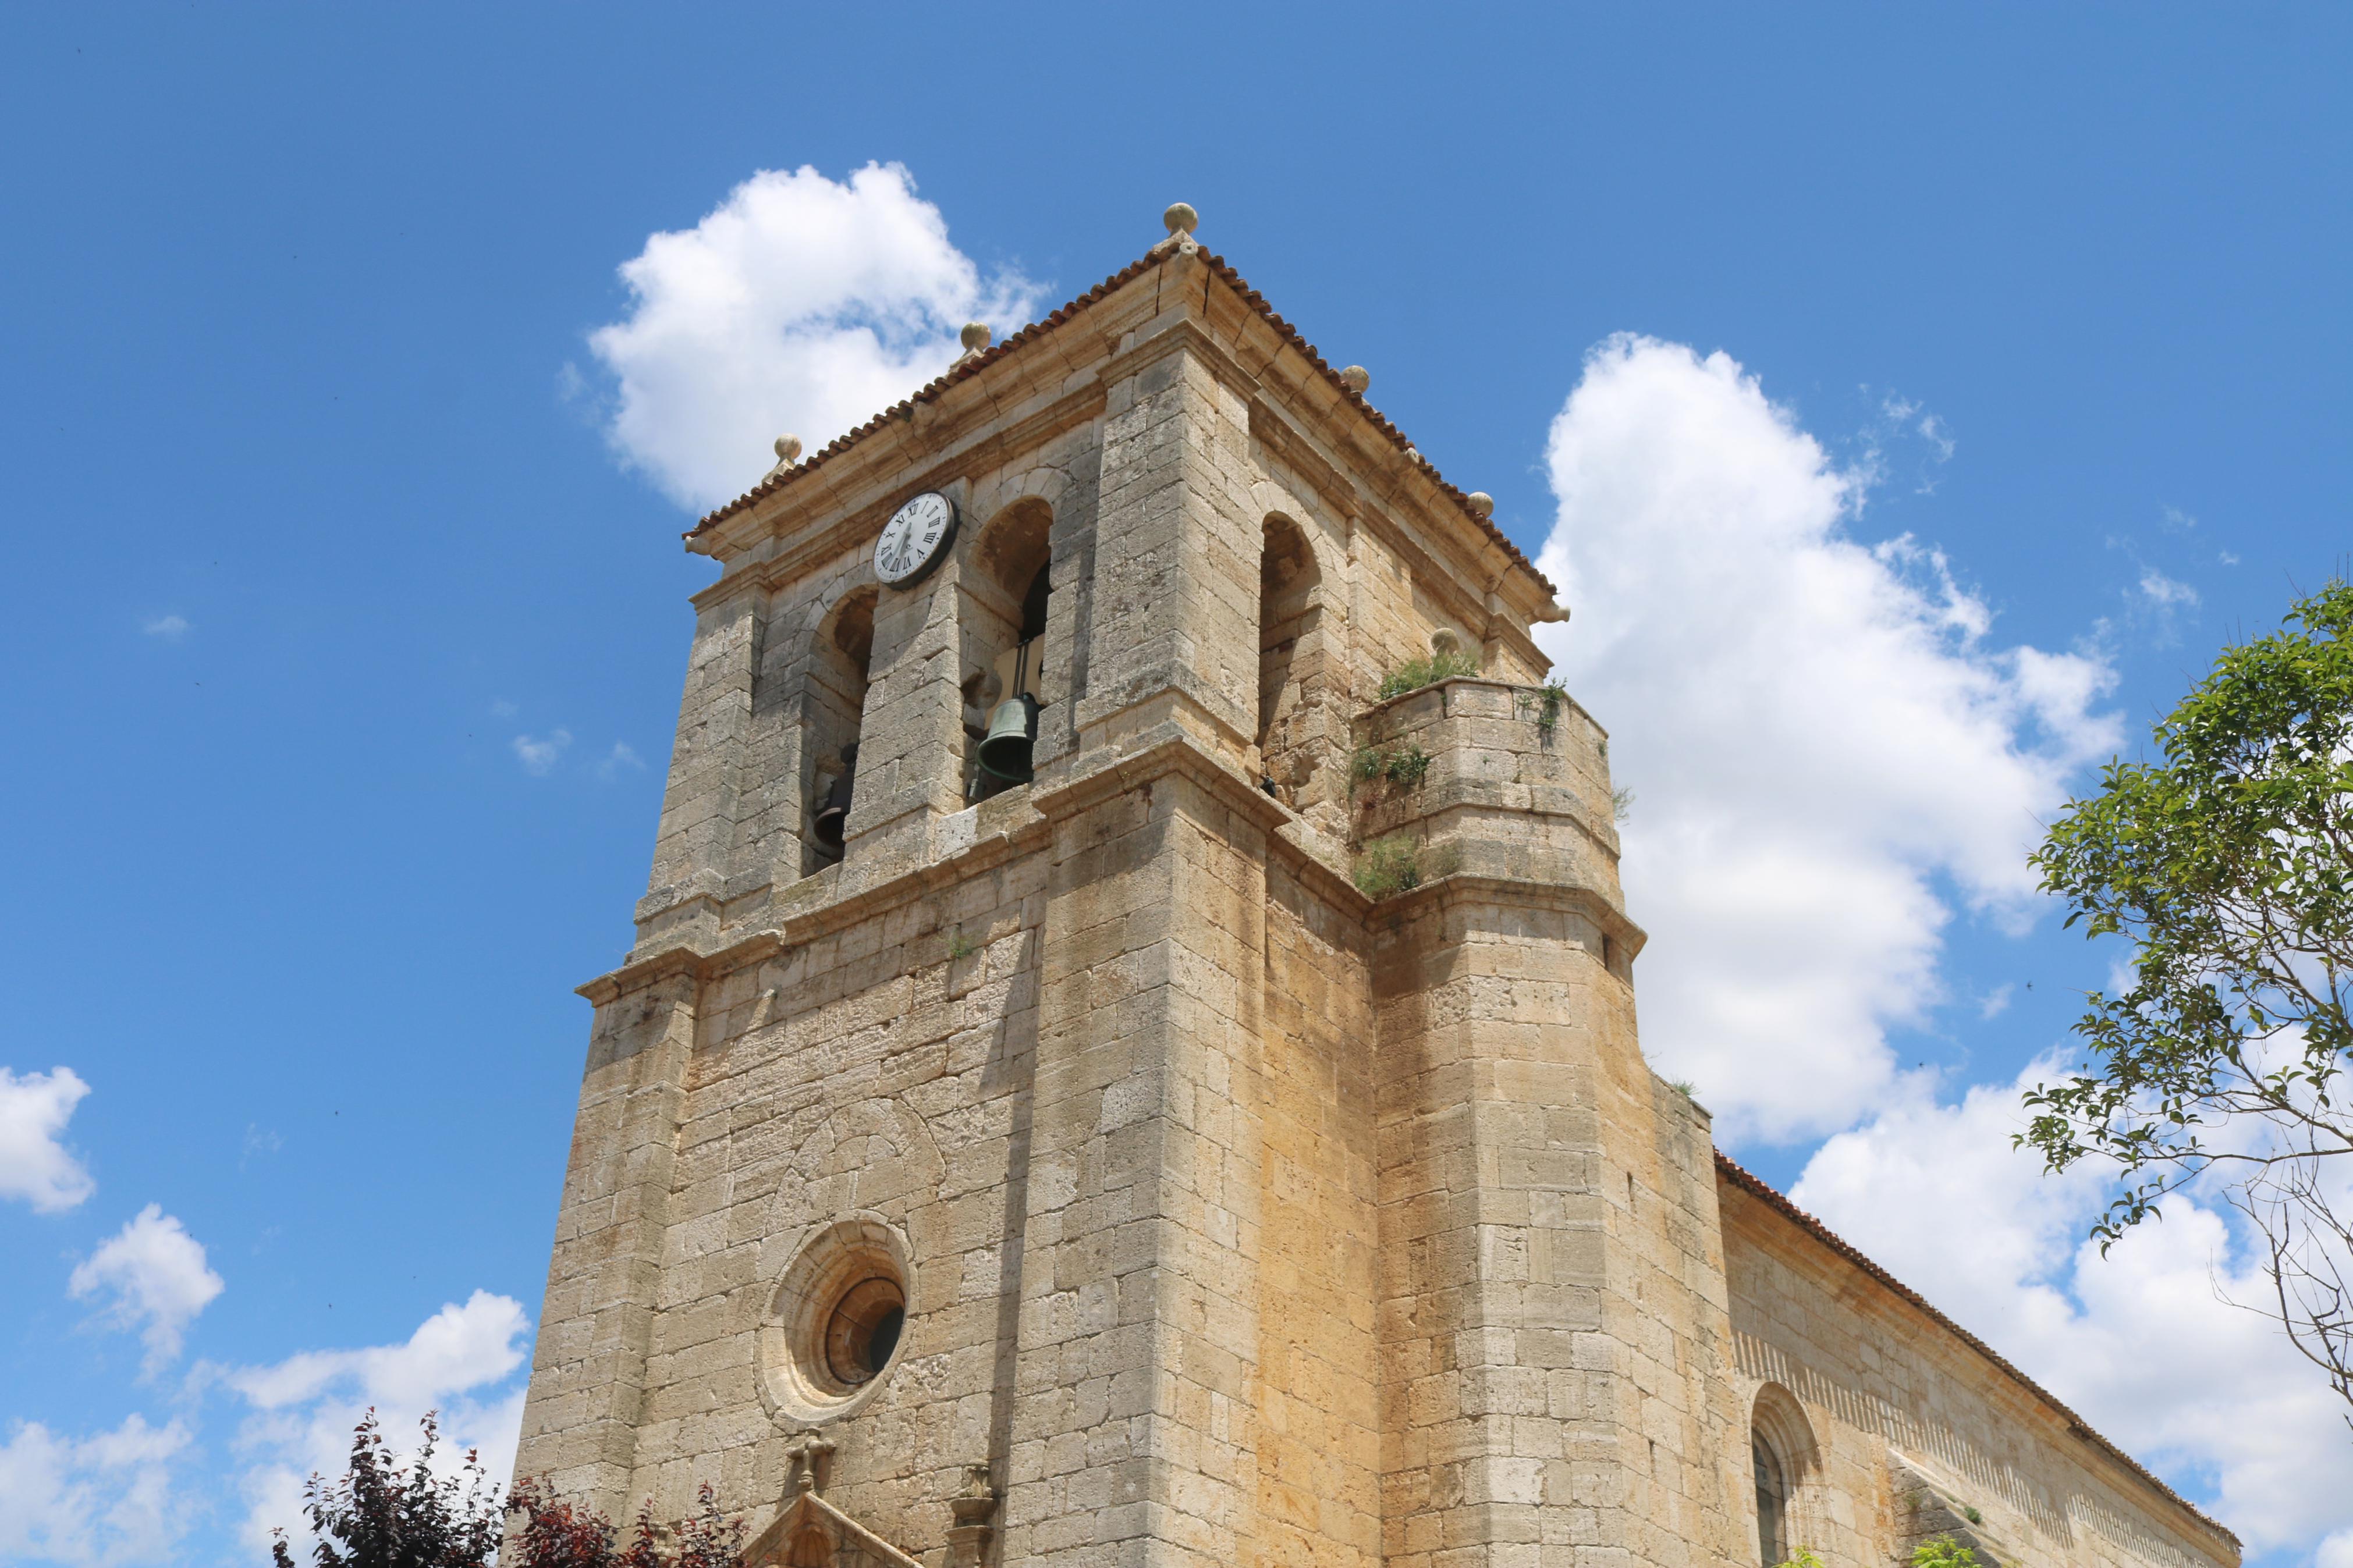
pixel 1239 1216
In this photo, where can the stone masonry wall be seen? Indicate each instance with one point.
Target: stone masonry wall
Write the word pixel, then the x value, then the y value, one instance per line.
pixel 1503 790
pixel 1905 1418
pixel 870 1070
pixel 1319 1457
pixel 589 1366
pixel 1552 1338
pixel 1134 1420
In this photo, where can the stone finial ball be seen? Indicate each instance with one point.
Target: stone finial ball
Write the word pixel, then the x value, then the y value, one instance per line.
pixel 1355 378
pixel 1180 217
pixel 788 448
pixel 1482 503
pixel 975 336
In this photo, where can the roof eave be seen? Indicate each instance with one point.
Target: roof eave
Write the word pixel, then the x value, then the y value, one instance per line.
pixel 978 364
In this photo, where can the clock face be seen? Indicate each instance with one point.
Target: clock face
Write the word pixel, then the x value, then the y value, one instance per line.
pixel 913 541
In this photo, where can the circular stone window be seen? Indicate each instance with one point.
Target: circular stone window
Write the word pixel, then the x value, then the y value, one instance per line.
pixel 863 1328
pixel 836 1321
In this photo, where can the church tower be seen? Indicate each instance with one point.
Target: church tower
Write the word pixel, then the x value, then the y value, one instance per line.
pixel 1129 1054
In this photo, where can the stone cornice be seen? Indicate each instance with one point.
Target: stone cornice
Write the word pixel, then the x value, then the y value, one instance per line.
pixel 1370 709
pixel 1289 444
pixel 984 853
pixel 1455 890
pixel 1309 854
pixel 1162 751
pixel 1172 331
pixel 1161 283
pixel 670 962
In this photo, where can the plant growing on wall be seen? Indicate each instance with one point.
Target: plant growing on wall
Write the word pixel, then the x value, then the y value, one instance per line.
pixel 1943 1552
pixel 1544 705
pixel 1388 865
pixel 1401 766
pixel 1417 673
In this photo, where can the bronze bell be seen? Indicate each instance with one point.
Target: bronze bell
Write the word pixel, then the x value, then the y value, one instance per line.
pixel 826 826
pixel 1012 730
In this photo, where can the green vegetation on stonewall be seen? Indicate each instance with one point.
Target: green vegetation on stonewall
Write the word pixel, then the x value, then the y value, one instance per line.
pixel 1417 673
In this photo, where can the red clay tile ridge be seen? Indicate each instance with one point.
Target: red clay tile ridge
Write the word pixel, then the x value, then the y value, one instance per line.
pixel 1772 1198
pixel 972 363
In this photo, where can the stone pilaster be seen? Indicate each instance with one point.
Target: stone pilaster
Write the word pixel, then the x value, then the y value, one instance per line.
pixel 911 742
pixel 1176 548
pixel 589 1370
pixel 1069 618
pixel 1134 1424
pixel 693 848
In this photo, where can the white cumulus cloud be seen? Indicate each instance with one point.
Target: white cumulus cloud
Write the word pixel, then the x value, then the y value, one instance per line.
pixel 2165 592
pixel 34 1165
pixel 91 1502
pixel 170 628
pixel 2146 1343
pixel 303 1408
pixel 800 304
pixel 538 755
pixel 154 1278
pixel 1830 747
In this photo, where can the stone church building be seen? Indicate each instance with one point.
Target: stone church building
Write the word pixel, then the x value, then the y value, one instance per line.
pixel 1106 1078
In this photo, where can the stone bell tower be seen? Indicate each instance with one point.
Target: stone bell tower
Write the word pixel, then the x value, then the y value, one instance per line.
pixel 1216 1137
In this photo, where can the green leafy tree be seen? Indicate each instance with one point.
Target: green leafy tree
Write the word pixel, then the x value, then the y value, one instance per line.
pixel 2228 865
pixel 1942 1553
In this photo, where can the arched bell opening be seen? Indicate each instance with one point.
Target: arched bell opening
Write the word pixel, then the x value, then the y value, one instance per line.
pixel 1006 595
pixel 835 712
pixel 1289 659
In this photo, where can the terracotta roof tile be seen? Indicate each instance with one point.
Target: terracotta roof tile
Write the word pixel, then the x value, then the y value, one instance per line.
pixel 1063 316
pixel 1773 1199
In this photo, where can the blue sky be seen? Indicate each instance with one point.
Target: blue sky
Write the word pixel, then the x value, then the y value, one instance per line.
pixel 344 636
